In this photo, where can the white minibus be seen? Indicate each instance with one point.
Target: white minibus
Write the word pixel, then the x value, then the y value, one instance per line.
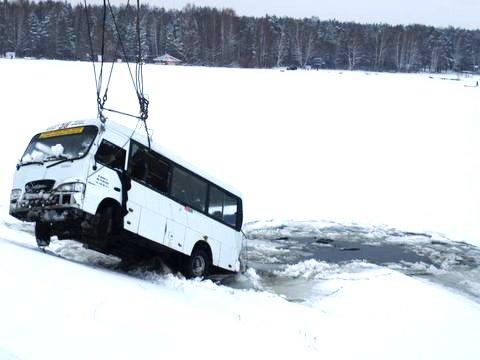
pixel 108 187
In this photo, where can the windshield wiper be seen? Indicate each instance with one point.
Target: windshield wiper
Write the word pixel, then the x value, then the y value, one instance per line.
pixel 20 164
pixel 59 157
pixel 65 159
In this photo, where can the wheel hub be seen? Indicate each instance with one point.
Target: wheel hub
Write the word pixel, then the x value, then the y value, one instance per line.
pixel 198 266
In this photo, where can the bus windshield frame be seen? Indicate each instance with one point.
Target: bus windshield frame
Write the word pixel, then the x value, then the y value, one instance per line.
pixel 58 145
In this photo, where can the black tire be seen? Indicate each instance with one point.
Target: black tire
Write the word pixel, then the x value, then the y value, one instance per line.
pixel 103 227
pixel 198 264
pixel 42 234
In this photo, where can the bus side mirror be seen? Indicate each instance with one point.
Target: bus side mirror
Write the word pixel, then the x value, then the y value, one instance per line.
pixel 128 180
pixel 94 167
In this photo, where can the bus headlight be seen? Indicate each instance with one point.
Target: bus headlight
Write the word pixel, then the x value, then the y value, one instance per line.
pixel 71 187
pixel 15 195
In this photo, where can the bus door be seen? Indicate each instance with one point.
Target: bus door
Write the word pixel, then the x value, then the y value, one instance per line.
pixel 149 174
pixel 107 178
pixel 132 218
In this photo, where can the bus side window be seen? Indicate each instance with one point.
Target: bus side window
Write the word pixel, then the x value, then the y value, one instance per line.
pixel 158 172
pixel 137 165
pixel 189 189
pixel 146 167
pixel 110 155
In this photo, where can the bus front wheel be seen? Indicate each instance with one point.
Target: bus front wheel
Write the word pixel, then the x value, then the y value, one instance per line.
pixel 103 227
pixel 42 234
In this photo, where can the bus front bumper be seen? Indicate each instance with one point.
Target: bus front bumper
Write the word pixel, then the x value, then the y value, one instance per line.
pixel 48 207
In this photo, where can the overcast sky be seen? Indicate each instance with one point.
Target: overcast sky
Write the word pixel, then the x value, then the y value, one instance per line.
pixel 460 13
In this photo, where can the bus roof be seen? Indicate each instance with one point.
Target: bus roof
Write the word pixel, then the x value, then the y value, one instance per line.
pixel 139 137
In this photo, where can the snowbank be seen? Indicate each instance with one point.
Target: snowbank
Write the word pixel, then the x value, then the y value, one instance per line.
pixel 52 308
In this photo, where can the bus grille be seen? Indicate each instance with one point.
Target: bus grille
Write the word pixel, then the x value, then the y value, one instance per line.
pixel 36 187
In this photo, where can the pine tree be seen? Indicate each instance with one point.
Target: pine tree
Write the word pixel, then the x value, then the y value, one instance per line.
pixel 32 35
pixel 248 45
pixel 174 42
pixel 190 37
pixel 48 33
pixel 65 36
pixel 5 44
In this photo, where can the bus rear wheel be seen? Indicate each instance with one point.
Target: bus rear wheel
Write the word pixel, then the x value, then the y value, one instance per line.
pixel 198 264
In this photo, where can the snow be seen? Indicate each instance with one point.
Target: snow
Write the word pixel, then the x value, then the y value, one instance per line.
pixel 65 309
pixel 57 150
pixel 34 156
pixel 323 149
pixel 82 309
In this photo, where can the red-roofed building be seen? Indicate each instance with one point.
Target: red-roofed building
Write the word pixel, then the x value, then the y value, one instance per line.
pixel 167 59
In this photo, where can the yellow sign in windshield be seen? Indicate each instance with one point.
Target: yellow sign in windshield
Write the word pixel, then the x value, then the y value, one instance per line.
pixel 61 132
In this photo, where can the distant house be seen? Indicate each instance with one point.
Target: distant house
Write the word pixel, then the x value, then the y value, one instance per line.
pixel 167 59
pixel 10 55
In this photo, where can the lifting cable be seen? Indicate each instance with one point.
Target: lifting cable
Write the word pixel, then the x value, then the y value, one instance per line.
pixel 137 80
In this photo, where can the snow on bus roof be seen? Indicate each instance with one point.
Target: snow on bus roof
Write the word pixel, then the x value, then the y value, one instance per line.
pixel 127 132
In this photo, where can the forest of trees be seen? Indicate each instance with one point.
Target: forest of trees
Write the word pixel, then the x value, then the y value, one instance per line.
pixel 212 37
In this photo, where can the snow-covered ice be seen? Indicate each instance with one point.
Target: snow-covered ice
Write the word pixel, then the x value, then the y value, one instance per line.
pixel 343 155
pixel 395 149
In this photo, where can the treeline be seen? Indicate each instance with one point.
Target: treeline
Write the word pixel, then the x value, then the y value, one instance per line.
pixel 212 37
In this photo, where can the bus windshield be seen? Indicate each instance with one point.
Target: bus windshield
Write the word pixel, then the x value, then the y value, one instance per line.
pixel 63 144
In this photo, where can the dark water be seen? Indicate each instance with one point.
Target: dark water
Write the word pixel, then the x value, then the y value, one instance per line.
pixel 343 250
pixel 452 264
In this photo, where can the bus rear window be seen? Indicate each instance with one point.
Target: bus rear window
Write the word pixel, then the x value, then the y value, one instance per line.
pixel 230 210
pixel 223 206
